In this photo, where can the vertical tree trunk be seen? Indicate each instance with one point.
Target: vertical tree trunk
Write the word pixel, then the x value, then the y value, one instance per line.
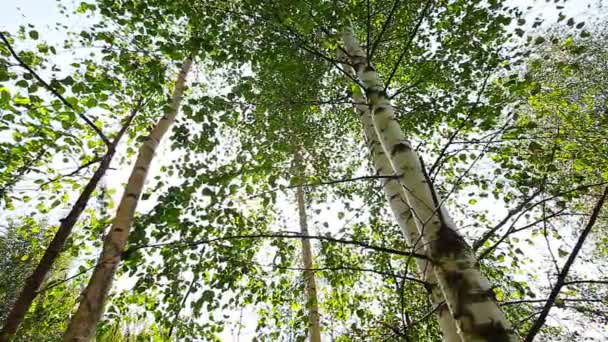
pixel 396 197
pixel 35 280
pixel 312 302
pixel 83 324
pixel 467 292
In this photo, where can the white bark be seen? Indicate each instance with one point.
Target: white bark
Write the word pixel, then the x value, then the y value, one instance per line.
pixel 83 324
pixel 396 197
pixel 467 292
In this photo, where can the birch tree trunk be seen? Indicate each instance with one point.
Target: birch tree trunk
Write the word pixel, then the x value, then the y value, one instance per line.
pixel 467 292
pixel 40 273
pixel 312 302
pixel 83 324
pixel 396 197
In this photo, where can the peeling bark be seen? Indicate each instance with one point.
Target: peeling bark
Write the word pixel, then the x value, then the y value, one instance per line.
pixel 83 324
pixel 468 293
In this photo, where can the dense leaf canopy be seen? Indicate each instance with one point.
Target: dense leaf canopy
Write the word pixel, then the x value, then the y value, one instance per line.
pixel 507 112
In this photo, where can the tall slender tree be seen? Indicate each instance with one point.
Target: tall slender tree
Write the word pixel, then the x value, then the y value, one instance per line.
pixel 83 324
pixel 39 274
pixel 403 214
pixel 312 300
pixel 467 292
pixel 67 224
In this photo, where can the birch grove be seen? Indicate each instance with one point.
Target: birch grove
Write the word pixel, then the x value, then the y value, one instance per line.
pixel 337 171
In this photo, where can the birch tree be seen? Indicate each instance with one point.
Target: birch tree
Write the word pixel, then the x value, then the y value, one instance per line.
pixel 219 254
pixel 92 95
pixel 83 324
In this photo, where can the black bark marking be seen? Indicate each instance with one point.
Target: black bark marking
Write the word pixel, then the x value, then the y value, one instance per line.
pixel 149 147
pixel 150 137
pixel 457 281
pixel 370 92
pixel 359 65
pixel 491 294
pixel 442 308
pixel 379 109
pixel 448 242
pixel 132 195
pixel 400 147
pixel 493 332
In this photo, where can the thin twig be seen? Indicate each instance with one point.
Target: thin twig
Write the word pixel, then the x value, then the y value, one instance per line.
pixel 370 270
pixel 409 42
pixel 80 168
pixel 382 30
pixel 561 279
pixel 332 182
pixel 279 236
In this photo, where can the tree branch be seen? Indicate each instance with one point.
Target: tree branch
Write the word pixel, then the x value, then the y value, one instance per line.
pixel 409 43
pixel 80 168
pixel 382 30
pixel 332 182
pixel 561 278
pixel 370 270
pixel 53 91
pixel 280 236
pixel 521 206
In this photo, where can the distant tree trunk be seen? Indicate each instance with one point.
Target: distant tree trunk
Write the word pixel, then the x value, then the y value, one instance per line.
pixel 181 306
pixel 83 324
pixel 467 292
pixel 35 280
pixel 312 302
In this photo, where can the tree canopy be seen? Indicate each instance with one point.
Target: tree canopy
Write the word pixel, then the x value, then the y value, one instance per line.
pixel 238 170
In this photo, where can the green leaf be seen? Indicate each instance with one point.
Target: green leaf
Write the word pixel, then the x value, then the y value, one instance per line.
pixel 539 40
pixel 22 100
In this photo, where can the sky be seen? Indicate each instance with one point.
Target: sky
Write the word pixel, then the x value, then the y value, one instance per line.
pixel 45 14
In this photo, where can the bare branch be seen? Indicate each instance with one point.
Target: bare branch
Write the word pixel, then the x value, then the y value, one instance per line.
pixel 370 55
pixel 423 14
pixel 280 236
pixel 590 281
pixel 332 182
pixel 561 278
pixel 75 172
pixel 520 207
pixel 370 270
